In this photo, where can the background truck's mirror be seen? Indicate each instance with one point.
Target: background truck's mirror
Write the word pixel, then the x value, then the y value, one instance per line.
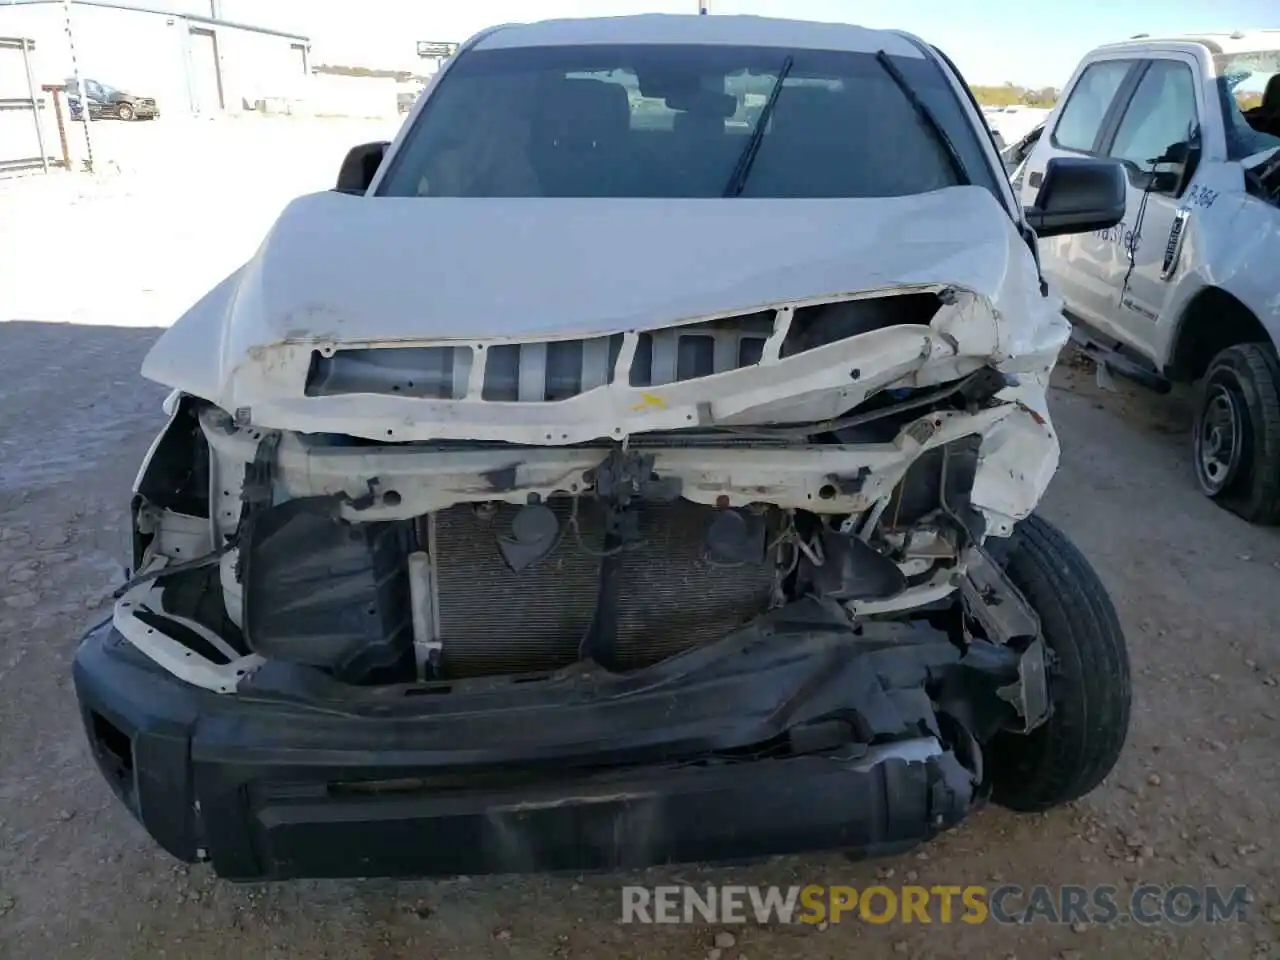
pixel 1180 161
pixel 1078 195
pixel 359 167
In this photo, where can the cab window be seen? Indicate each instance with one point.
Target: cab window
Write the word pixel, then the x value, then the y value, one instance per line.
pixel 1161 113
pixel 1086 108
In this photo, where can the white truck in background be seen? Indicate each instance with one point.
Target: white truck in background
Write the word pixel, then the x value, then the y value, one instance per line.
pixel 1187 287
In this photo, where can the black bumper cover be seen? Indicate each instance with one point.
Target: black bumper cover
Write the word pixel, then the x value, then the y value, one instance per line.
pixel 770 742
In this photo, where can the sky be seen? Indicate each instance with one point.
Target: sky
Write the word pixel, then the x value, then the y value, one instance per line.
pixel 1033 43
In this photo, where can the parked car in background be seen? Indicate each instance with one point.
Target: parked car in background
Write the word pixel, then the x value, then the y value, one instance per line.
pixel 1015 154
pixel 1187 286
pixel 996 135
pixel 1014 121
pixel 108 103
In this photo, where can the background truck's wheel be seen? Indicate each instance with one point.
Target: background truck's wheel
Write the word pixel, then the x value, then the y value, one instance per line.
pixel 1071 752
pixel 124 112
pixel 1236 437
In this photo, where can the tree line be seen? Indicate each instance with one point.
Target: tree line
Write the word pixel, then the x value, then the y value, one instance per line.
pixel 1010 94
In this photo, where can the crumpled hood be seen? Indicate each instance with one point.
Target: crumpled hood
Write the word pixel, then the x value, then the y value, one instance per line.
pixel 337 271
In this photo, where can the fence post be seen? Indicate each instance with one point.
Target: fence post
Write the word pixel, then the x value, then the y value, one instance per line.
pixel 80 91
pixel 35 101
pixel 55 95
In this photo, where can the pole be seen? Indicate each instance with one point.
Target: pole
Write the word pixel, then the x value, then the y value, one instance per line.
pixel 702 7
pixel 79 84
pixel 35 102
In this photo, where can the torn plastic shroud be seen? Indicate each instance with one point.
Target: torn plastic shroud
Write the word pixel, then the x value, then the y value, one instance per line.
pixel 798 732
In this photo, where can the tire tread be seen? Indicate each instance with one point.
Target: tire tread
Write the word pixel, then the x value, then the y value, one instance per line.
pixel 1090 684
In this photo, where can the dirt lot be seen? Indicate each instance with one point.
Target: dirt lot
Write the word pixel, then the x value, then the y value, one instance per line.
pixel 90 269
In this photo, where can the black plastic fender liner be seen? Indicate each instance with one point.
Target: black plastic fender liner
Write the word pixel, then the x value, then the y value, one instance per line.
pixel 332 594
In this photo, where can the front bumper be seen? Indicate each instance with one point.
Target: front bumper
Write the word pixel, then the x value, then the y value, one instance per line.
pixel 755 746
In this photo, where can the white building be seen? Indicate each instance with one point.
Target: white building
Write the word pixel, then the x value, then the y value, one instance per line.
pixel 188 63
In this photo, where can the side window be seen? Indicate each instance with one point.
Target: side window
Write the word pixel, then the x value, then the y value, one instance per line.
pixel 1086 108
pixel 1161 113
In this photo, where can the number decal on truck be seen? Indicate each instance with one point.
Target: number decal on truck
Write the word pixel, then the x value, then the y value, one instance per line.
pixel 1201 196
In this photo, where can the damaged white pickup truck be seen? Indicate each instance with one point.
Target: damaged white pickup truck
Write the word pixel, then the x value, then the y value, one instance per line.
pixel 605 474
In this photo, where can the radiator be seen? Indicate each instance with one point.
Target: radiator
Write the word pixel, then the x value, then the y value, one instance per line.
pixel 491 620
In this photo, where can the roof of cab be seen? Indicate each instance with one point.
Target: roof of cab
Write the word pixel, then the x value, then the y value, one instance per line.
pixel 1234 41
pixel 695 29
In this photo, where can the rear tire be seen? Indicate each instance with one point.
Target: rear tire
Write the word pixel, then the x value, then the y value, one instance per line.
pixel 1235 441
pixel 1089 686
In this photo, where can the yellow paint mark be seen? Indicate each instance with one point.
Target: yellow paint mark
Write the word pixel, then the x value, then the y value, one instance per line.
pixel 649 402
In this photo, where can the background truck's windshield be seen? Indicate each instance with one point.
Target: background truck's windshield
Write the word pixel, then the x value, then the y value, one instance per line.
pixel 1252 120
pixel 671 121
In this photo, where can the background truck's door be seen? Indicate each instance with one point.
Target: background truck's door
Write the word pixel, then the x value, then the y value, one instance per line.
pixel 1161 120
pixel 1086 268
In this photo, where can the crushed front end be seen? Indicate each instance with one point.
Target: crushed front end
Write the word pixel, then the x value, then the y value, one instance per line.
pixel 711 589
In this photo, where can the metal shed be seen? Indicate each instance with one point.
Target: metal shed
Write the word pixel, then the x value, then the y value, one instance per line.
pixel 190 64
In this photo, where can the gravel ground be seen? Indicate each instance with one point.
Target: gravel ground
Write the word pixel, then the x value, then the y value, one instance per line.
pixel 1192 800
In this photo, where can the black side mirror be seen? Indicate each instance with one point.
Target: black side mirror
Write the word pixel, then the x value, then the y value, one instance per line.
pixel 359 167
pixel 1078 195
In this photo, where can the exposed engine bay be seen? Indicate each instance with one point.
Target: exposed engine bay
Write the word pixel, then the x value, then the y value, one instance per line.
pixel 383 505
pixel 395 564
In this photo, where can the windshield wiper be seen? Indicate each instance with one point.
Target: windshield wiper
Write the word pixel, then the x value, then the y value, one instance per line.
pixel 927 115
pixel 742 169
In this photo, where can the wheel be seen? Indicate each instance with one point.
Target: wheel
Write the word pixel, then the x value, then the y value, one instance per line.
pixel 1089 685
pixel 1236 437
pixel 124 111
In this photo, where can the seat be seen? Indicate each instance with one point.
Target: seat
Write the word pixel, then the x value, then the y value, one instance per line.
pixel 579 137
pixel 701 155
pixel 1265 118
pixel 863 142
pixel 804 149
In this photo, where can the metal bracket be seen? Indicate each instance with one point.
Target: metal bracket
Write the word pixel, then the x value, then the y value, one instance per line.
pixel 624 476
pixel 991 599
pixel 1030 695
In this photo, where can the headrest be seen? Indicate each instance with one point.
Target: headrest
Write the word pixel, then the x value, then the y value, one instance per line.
pixel 1271 95
pixel 698 124
pixel 584 109
pixel 805 109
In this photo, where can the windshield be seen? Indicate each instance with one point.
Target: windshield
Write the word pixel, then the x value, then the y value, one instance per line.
pixel 1242 80
pixel 667 121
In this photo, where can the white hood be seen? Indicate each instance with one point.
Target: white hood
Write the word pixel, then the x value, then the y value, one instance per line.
pixel 340 271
